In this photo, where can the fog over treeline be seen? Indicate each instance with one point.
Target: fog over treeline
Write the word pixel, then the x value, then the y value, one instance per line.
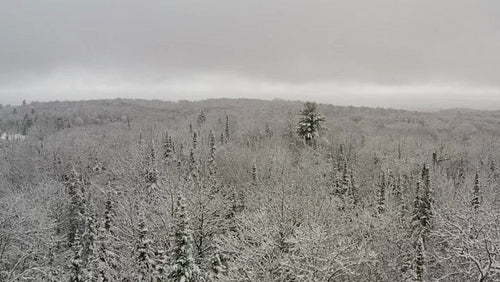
pixel 411 55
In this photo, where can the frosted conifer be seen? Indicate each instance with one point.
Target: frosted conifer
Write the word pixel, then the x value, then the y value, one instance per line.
pixel 184 267
pixel 475 192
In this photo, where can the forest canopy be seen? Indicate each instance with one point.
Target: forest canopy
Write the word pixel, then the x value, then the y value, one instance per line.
pixel 230 190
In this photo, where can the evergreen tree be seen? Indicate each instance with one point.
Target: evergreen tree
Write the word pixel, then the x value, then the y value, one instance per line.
pixel 27 123
pixel 492 173
pixel 89 246
pixel 381 193
pixel 268 131
pixel 168 147
pixel 419 260
pixel 254 173
pixel 417 236
pixel 149 166
pixel 195 140
pixel 475 192
pixel 354 191
pixel 310 122
pixel 106 259
pixel 227 137
pixel 143 255
pixel 427 202
pixel 76 266
pixel 75 185
pixel 184 267
pixel 201 118
pixel 211 159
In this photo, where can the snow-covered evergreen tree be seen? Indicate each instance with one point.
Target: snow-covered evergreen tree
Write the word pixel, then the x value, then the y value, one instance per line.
pixel 144 258
pixel 195 140
pixel 106 263
pixel 418 265
pixel 227 136
pixel 90 250
pixel 168 147
pixel 475 192
pixel 184 265
pixel 417 234
pixel 254 173
pixel 211 158
pixel 75 184
pixel 381 193
pixel 77 273
pixel 201 118
pixel 310 122
pixel 427 200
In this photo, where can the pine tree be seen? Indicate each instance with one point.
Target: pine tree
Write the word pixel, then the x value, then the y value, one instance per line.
pixel 475 192
pixel 151 167
pixel 427 202
pixel 106 262
pixel 211 159
pixel 381 193
pixel 227 137
pixel 27 123
pixel 254 173
pixel 417 234
pixel 184 267
pixel 201 118
pixel 268 131
pixel 144 255
pixel 195 140
pixel 75 185
pixel 419 260
pixel 168 147
pixel 89 246
pixel 76 266
pixel 492 173
pixel 354 191
pixel 309 123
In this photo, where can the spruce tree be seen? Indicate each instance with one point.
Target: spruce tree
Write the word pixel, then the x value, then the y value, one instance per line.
pixel 184 267
pixel 144 255
pixel 195 140
pixel 90 251
pixel 168 150
pixel 417 234
pixel 381 193
pixel 427 202
pixel 310 122
pixel 475 192
pixel 77 269
pixel 419 260
pixel 211 159
pixel 75 185
pixel 254 173
pixel 227 137
pixel 201 118
pixel 107 264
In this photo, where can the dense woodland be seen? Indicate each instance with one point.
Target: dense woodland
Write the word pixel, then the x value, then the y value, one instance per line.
pixel 247 190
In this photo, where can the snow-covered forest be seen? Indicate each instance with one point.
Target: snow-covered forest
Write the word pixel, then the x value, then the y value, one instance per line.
pixel 247 190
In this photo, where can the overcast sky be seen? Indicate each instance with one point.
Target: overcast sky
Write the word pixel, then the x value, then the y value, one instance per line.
pixel 401 53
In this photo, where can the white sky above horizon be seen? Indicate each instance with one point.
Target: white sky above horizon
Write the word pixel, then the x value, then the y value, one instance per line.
pixel 401 54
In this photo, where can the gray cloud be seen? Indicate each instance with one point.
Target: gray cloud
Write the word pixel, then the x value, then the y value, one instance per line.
pixel 81 49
